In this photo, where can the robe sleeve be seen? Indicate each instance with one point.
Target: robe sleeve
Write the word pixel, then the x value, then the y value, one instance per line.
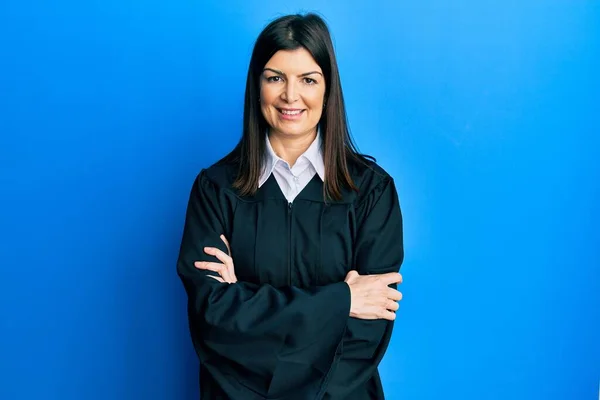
pixel 378 249
pixel 243 329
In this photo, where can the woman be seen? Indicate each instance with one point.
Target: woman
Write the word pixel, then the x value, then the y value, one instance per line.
pixel 292 241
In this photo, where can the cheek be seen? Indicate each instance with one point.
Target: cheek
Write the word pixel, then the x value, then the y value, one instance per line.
pixel 268 94
pixel 315 101
pixel 267 113
pixel 266 99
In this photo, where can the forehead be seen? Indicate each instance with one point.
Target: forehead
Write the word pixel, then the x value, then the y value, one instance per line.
pixel 296 61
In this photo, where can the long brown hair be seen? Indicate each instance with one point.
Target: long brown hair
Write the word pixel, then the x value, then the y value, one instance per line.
pixel 289 33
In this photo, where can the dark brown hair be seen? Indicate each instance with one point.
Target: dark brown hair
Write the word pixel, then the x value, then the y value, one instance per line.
pixel 289 33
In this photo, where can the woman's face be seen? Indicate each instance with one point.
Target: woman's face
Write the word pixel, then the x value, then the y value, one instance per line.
pixel 292 91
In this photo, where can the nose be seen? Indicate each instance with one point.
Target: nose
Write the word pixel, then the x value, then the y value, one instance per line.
pixel 290 92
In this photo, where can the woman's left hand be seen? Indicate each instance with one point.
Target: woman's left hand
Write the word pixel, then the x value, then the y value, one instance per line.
pixel 226 269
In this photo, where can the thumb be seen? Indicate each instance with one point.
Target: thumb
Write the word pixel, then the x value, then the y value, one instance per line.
pixel 351 276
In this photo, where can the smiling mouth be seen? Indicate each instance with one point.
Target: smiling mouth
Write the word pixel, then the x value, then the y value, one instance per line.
pixel 290 112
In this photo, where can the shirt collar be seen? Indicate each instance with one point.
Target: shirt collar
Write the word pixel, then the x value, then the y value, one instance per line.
pixel 313 154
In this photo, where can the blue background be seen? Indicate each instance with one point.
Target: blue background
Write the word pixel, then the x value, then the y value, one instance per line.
pixel 485 112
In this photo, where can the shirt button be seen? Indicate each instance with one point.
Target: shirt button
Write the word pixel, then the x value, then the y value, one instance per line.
pixel 296 178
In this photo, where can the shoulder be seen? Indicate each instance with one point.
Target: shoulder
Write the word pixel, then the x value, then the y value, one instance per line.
pixel 220 175
pixel 370 177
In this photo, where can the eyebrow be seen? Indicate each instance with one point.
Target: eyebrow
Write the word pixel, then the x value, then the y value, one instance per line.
pixel 282 73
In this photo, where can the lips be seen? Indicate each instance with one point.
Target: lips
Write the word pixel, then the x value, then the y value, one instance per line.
pixel 290 112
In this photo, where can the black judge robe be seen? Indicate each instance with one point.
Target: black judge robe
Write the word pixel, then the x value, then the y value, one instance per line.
pixel 283 331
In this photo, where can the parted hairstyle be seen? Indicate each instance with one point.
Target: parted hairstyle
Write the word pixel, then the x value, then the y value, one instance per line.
pixel 291 32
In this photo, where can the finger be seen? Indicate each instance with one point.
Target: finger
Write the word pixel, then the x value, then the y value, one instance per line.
pixel 351 275
pixel 231 266
pixel 225 259
pixel 391 277
pixel 224 239
pixel 385 314
pixel 393 294
pixel 221 256
pixel 221 269
pixel 217 278
pixel 392 305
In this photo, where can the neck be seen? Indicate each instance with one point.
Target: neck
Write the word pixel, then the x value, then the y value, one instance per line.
pixel 290 147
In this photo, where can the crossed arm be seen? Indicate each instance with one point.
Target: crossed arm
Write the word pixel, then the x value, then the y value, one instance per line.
pixel 373 299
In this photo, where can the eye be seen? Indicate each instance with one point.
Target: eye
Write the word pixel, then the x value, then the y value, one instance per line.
pixel 274 78
pixel 309 81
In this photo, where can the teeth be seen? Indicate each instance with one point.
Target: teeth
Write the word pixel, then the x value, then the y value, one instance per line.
pixel 291 112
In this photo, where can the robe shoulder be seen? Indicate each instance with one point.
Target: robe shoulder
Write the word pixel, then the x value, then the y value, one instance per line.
pixel 220 174
pixel 368 176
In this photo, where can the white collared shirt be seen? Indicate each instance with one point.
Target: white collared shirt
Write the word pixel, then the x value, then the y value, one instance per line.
pixel 293 179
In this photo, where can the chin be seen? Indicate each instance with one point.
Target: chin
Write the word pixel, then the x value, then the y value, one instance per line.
pixel 299 130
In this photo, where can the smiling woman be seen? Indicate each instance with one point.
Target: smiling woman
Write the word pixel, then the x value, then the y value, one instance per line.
pixel 292 242
pixel 292 93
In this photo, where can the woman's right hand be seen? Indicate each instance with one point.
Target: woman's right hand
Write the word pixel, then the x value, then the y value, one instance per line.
pixel 371 297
